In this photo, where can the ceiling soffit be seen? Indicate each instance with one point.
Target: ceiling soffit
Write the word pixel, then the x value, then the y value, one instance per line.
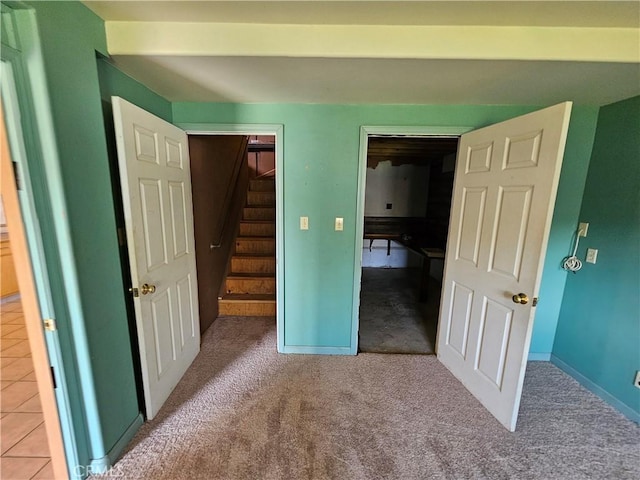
pixel 393 52
pixel 375 41
pixel 622 14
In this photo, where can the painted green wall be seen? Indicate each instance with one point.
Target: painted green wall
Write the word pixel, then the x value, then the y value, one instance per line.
pixel 575 164
pixel 71 36
pixel 320 181
pixel 115 82
pixel 598 333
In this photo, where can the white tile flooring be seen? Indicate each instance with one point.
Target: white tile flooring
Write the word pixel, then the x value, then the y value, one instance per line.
pixel 25 453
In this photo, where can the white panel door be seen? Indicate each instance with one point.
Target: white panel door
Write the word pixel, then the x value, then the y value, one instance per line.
pixel 153 156
pixel 504 194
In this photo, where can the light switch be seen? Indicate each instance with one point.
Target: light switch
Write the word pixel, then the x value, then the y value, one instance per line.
pixel 592 255
pixel 304 223
pixel 339 224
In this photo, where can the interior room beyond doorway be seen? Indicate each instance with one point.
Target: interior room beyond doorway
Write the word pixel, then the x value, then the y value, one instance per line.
pixel 409 184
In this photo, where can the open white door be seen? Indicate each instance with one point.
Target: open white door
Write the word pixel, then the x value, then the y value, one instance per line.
pixel 504 193
pixel 153 156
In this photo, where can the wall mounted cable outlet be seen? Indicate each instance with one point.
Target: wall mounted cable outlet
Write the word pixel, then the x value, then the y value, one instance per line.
pixel 583 227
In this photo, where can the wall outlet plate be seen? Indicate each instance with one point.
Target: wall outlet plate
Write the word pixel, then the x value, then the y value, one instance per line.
pixel 339 224
pixel 583 227
pixel 636 382
pixel 304 223
pixel 592 255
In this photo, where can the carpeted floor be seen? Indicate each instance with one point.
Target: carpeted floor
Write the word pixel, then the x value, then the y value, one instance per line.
pixel 392 320
pixel 244 412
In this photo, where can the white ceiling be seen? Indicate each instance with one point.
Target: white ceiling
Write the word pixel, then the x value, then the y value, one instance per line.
pixel 390 81
pixel 328 79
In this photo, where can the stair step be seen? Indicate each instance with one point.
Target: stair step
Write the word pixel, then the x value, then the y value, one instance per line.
pixel 253 283
pixel 258 228
pixel 253 264
pixel 261 245
pixel 265 199
pixel 262 185
pixel 259 213
pixel 247 305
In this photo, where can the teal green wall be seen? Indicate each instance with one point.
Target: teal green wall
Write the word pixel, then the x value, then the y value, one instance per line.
pixel 598 333
pixel 115 82
pixel 582 129
pixel 320 181
pixel 71 36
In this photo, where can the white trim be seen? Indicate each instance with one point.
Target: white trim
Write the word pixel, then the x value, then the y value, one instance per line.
pixel 260 129
pixel 365 133
pixel 596 389
pixel 414 131
pixel 231 129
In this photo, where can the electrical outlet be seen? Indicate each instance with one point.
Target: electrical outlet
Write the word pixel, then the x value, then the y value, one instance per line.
pixel 583 227
pixel 304 223
pixel 339 224
pixel 636 382
pixel 592 255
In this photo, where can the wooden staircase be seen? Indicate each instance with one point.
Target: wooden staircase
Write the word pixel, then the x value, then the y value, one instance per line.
pixel 250 286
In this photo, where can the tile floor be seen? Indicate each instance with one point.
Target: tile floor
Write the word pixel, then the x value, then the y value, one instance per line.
pixel 25 453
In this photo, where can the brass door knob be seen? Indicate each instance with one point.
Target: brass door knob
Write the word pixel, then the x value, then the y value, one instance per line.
pixel 520 298
pixel 146 289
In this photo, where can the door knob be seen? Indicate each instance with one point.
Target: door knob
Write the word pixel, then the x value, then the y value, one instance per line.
pixel 146 288
pixel 520 298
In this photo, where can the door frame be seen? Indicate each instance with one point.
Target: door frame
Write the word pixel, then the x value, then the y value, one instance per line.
pixel 365 133
pixel 33 282
pixel 276 130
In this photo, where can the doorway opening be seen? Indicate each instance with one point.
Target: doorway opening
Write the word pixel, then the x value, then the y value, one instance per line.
pixel 233 181
pixel 26 448
pixel 33 385
pixel 407 199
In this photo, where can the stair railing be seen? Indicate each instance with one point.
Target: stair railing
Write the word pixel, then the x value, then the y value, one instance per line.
pixel 270 174
pixel 223 220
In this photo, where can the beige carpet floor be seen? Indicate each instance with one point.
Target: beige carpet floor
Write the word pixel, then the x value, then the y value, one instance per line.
pixel 244 412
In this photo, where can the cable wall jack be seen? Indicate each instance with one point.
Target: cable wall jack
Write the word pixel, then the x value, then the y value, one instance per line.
pixel 572 263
